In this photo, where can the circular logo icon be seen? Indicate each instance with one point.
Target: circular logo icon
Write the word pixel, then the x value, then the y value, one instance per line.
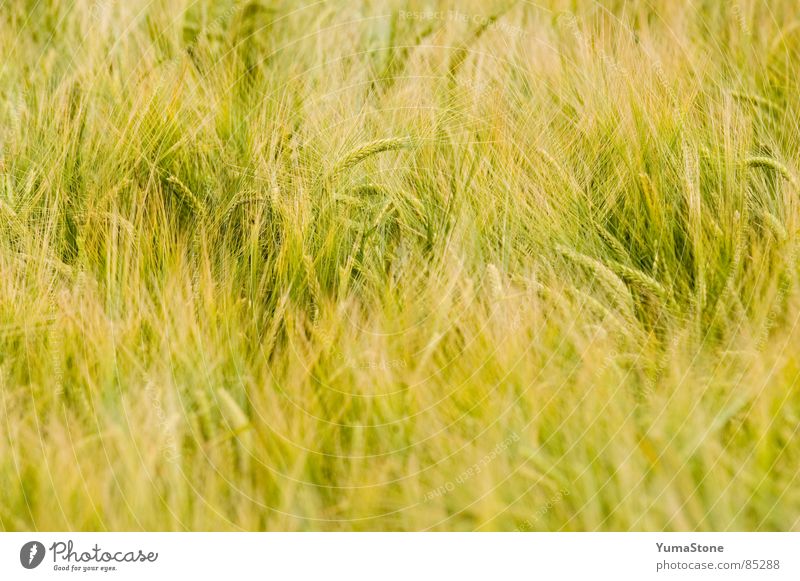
pixel 31 554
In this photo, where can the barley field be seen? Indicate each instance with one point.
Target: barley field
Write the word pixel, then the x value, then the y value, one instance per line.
pixel 399 265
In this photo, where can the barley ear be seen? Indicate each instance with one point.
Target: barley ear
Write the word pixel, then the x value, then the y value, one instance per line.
pixel 188 196
pixel 773 164
pixel 639 280
pixel 495 282
pixel 359 154
pixel 611 281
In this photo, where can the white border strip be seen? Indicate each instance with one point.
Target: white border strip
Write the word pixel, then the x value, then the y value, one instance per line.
pixel 401 556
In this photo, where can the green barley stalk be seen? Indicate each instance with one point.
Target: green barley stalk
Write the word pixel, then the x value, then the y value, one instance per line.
pixel 695 221
pixel 773 224
pixel 235 417
pixel 757 100
pixel 605 275
pixel 566 177
pixel 638 279
pixel 188 196
pixel 237 202
pixel 773 164
pixel 234 414
pixel 621 323
pixel 611 240
pixel 311 277
pixel 365 151
pixel 462 51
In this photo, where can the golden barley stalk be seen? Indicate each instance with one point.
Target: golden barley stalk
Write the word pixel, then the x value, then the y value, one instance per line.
pixel 495 282
pixel 12 219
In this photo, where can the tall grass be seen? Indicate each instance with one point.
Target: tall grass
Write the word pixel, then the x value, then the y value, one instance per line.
pixel 397 265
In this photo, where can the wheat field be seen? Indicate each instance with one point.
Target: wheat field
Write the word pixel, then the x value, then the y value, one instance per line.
pixel 399 265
